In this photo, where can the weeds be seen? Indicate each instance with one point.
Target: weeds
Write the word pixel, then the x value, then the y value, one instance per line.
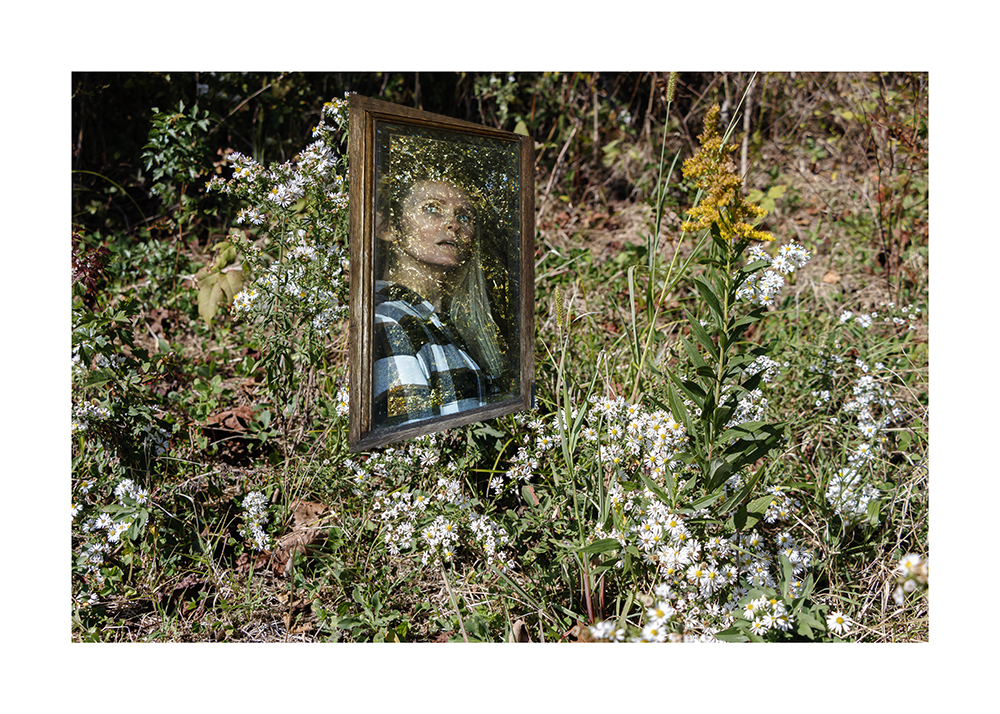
pixel 731 436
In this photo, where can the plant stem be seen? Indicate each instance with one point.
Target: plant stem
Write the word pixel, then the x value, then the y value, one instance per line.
pixel 454 603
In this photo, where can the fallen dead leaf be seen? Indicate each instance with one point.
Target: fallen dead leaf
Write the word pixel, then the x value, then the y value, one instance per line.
pixel 831 277
pixel 305 532
pixel 297 618
pixel 519 632
pixel 236 419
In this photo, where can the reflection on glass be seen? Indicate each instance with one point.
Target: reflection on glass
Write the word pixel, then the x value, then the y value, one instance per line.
pixel 445 327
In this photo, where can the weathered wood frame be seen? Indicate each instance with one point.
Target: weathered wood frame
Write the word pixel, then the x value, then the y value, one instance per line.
pixel 364 114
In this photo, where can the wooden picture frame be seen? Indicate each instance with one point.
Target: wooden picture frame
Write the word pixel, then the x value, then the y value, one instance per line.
pixel 442 273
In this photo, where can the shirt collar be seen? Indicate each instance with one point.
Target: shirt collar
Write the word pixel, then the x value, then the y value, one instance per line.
pixel 386 291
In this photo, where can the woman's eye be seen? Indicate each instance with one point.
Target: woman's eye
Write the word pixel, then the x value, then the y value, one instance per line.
pixel 430 208
pixel 463 218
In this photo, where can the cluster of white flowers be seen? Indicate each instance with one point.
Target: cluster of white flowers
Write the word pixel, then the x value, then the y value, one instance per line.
pixel 908 316
pixel 307 276
pixel 441 538
pixel 294 279
pixel 849 495
pixel 491 538
pixel 859 395
pixel 281 185
pixel 768 366
pixel 251 215
pixel 912 574
pixel 626 433
pixel 337 109
pixel 764 286
pixel 127 489
pixel 343 400
pixel 704 579
pixel 765 614
pixel 872 403
pixel 823 397
pixel 92 558
pixel 431 524
pixel 244 300
pixel 751 407
pixel 87 412
pixel 781 506
pixel 398 512
pixel 522 468
pixel 255 517
pixel 115 530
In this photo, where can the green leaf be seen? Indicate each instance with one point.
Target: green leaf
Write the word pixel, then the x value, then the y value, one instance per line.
pixel 231 283
pixel 742 493
pixel 695 392
pixel 655 488
pixel 742 520
pixel 760 504
pixel 484 430
pixel 748 515
pixel 697 361
pixel 703 502
pixel 98 377
pixel 601 546
pixel 677 408
pixel 732 634
pixel 713 301
pixel 719 471
pixel 703 337
pixel 747 431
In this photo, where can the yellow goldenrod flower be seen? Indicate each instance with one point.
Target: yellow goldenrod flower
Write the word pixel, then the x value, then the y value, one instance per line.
pixel 714 171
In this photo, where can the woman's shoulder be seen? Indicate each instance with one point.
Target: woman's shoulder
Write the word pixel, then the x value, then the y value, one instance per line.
pixel 395 301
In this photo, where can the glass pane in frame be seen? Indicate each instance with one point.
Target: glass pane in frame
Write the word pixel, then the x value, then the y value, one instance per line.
pixel 446 295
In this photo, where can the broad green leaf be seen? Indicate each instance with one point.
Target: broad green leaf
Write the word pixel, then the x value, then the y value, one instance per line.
pixel 719 471
pixel 231 283
pixel 209 296
pixel 732 634
pixel 703 502
pixel 706 371
pixel 99 376
pixel 746 431
pixel 601 546
pixel 742 519
pixel 760 504
pixel 748 515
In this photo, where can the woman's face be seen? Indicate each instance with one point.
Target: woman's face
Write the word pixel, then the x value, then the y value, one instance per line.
pixel 437 224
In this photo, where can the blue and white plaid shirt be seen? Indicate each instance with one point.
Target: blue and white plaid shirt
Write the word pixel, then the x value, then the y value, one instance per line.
pixel 422 369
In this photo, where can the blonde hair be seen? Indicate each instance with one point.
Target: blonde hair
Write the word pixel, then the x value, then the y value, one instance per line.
pixel 471 315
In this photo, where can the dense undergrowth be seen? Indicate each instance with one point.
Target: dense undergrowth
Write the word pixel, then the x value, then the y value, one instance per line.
pixel 731 434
